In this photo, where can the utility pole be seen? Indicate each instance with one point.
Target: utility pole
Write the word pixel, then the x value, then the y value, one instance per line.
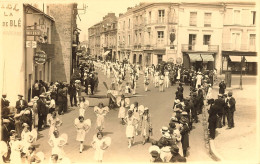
pixel 241 68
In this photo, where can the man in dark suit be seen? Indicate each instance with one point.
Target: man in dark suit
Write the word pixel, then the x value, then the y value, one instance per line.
pixel 4 101
pixel 220 105
pixel 72 92
pixel 21 104
pixel 222 87
pixel 42 111
pixel 231 108
pixel 176 157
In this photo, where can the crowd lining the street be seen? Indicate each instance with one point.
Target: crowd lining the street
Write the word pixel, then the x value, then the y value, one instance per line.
pixel 22 123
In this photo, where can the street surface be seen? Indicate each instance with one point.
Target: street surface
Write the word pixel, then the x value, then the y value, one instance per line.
pixel 160 105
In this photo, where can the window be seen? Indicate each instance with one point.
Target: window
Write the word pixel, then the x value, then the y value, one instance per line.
pixel 150 16
pixel 193 18
pixel 128 23
pixel 206 39
pixel 252 39
pixel 160 16
pixel 236 17
pixel 192 41
pixel 140 21
pixel 140 35
pixel 128 39
pixel 149 36
pixel 207 20
pixel 124 25
pixel 136 39
pixel 253 17
pixel 160 37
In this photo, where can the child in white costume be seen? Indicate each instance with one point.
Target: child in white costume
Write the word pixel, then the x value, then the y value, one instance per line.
pixel 27 137
pixel 57 142
pixel 100 144
pixel 82 128
pixel 123 103
pixel 101 112
pixel 54 123
pixel 83 105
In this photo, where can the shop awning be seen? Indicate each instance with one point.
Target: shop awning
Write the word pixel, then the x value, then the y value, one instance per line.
pixel 105 54
pixel 251 59
pixel 207 57
pixel 195 57
pixel 235 58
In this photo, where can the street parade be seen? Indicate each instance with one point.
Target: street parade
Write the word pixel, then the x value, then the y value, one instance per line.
pixel 22 123
pixel 129 82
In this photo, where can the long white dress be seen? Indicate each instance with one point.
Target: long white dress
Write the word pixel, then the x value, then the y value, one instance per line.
pixel 166 79
pixel 82 128
pixel 27 140
pixel 130 126
pixel 101 113
pixel 122 110
pixel 98 143
pixel 16 147
pixel 199 78
pixel 57 145
pixel 54 124
pixel 209 94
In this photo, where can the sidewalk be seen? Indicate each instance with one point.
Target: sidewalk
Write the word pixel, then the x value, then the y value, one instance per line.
pixel 239 143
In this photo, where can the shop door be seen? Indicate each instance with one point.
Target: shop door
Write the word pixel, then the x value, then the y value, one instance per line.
pixel 198 65
pixel 140 60
pixel 134 59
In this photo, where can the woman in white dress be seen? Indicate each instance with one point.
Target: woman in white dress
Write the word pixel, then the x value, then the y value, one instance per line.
pixel 130 121
pixel 146 84
pixel 178 74
pixel 209 94
pixel 83 105
pixel 16 148
pixel 54 123
pixel 127 89
pixel 100 144
pixel 199 78
pixel 27 137
pixel 57 142
pixel 82 128
pixel 146 125
pixel 156 79
pixel 101 112
pixel 166 79
pixel 122 102
pixel 161 82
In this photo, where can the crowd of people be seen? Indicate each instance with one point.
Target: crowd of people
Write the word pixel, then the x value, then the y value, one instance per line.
pixel 22 123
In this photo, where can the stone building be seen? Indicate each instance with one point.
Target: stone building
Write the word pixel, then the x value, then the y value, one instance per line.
pixel 239 37
pixel 63 35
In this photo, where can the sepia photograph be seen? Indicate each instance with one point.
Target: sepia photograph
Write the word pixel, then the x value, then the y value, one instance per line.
pixel 129 81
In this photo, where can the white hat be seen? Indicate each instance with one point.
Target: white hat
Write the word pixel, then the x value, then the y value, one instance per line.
pixel 42 96
pixel 167 135
pixel 25 124
pixel 177 101
pixel 146 108
pixel 184 113
pixel 164 129
pixel 154 148
pixel 27 112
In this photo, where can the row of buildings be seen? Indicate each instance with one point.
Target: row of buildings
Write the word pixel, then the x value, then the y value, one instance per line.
pixel 209 35
pixel 39 42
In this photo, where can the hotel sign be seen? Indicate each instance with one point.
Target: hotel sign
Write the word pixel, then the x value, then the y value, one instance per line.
pixel 31 32
pixel 40 57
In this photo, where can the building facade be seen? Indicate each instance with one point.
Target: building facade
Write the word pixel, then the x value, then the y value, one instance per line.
pixel 198 35
pixel 239 38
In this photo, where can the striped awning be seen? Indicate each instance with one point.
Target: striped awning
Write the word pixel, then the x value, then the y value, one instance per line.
pixel 195 57
pixel 207 57
pixel 251 59
pixel 235 58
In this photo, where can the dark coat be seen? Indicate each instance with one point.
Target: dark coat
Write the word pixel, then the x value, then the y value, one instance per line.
pixel 61 94
pixel 72 90
pixel 220 104
pixel 213 117
pixel 232 104
pixel 4 103
pixel 185 136
pixel 222 87
pixel 177 158
pixel 42 108
pixel 19 107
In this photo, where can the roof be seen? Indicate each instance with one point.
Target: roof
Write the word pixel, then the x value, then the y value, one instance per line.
pixel 39 11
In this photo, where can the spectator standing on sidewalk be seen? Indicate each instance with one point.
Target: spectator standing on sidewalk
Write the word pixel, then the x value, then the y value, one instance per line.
pixel 231 108
pixel 72 92
pixel 222 87
pixel 212 119
pixel 21 104
pixel 4 101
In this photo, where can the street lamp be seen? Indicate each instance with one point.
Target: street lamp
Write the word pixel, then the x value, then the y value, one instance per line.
pixel 242 65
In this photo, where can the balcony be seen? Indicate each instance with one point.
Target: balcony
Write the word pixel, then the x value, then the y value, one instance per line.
pixel 238 47
pixel 208 48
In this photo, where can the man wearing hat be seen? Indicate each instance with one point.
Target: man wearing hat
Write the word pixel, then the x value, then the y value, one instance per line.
pixel 176 157
pixel 184 130
pixel 220 105
pixel 4 101
pixel 155 153
pixel 222 87
pixel 42 111
pixel 231 108
pixel 21 104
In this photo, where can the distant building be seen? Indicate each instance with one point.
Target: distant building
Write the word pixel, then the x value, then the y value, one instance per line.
pixel 239 37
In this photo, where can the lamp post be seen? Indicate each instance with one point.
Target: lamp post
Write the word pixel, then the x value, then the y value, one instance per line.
pixel 241 68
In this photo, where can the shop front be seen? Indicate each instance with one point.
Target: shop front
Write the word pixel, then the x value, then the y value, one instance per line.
pixel 199 61
pixel 231 61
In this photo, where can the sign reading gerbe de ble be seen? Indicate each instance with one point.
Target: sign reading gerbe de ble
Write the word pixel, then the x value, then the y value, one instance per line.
pixel 10 12
pixel 40 57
